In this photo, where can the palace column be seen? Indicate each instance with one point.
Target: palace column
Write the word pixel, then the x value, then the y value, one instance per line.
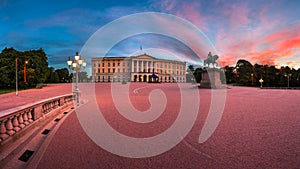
pixel 132 65
pixel 153 70
pixel 147 66
pixel 142 66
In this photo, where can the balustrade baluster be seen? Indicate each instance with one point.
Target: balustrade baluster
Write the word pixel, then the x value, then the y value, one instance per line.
pixel 21 122
pixel 30 116
pixel 9 126
pixel 46 108
pixel 42 109
pixel 25 118
pixel 3 134
pixel 16 123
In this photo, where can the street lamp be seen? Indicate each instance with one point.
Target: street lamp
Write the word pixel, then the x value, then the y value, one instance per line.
pixel 77 64
pixel 252 79
pixel 261 81
pixel 288 76
pixel 25 63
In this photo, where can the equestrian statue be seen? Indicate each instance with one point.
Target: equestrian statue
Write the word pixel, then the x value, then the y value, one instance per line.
pixel 210 60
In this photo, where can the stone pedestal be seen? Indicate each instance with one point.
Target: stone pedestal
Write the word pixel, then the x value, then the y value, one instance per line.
pixel 211 79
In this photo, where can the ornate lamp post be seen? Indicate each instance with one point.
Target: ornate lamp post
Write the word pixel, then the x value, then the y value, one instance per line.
pixel 25 63
pixel 77 64
pixel 288 78
pixel 261 81
pixel 252 79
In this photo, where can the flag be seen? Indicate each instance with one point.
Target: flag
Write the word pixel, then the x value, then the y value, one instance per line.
pixel 141 47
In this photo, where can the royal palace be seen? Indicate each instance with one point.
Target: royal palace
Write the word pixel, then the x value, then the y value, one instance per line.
pixel 142 68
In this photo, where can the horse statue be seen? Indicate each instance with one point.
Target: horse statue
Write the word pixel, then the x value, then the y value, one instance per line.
pixel 210 59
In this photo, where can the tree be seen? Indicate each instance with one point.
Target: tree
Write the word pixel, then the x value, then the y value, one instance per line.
pixel 36 67
pixel 229 74
pixel 37 60
pixel 51 76
pixel 82 76
pixel 198 74
pixel 190 74
pixel 8 67
pixel 244 70
pixel 63 75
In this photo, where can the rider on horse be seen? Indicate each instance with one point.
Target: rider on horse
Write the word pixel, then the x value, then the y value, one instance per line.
pixel 210 59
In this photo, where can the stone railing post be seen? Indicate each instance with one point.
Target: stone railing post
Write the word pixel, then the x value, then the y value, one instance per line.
pixel 61 101
pixel 37 113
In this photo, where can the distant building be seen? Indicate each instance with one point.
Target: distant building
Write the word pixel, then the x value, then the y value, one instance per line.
pixel 142 68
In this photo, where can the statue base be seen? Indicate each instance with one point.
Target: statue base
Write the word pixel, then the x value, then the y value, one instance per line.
pixel 211 79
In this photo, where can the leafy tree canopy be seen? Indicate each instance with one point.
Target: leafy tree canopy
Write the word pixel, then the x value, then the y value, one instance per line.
pixel 34 63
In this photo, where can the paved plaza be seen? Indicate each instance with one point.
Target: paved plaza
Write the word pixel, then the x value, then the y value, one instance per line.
pixel 11 100
pixel 259 129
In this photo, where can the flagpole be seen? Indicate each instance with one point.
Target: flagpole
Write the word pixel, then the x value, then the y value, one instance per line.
pixel 16 76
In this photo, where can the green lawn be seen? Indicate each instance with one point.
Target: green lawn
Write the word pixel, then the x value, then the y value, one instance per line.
pixel 3 91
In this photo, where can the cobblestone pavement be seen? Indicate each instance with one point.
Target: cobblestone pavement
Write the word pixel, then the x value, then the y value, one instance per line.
pixel 259 128
pixel 10 100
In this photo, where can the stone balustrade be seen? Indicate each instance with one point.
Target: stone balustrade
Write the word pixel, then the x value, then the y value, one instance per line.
pixel 15 119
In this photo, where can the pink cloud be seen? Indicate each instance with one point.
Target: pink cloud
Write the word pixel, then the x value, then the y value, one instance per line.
pixel 190 11
pixel 257 34
pixel 238 16
pixel 278 47
pixel 265 43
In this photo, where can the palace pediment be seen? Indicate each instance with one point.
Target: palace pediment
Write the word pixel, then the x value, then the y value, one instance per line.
pixel 144 57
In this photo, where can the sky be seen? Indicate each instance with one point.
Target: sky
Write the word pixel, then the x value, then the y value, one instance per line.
pixel 260 31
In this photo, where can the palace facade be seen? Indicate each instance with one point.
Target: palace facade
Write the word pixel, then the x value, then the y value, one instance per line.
pixel 142 68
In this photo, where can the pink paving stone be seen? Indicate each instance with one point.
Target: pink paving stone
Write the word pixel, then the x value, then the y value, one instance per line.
pixel 259 129
pixel 10 100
